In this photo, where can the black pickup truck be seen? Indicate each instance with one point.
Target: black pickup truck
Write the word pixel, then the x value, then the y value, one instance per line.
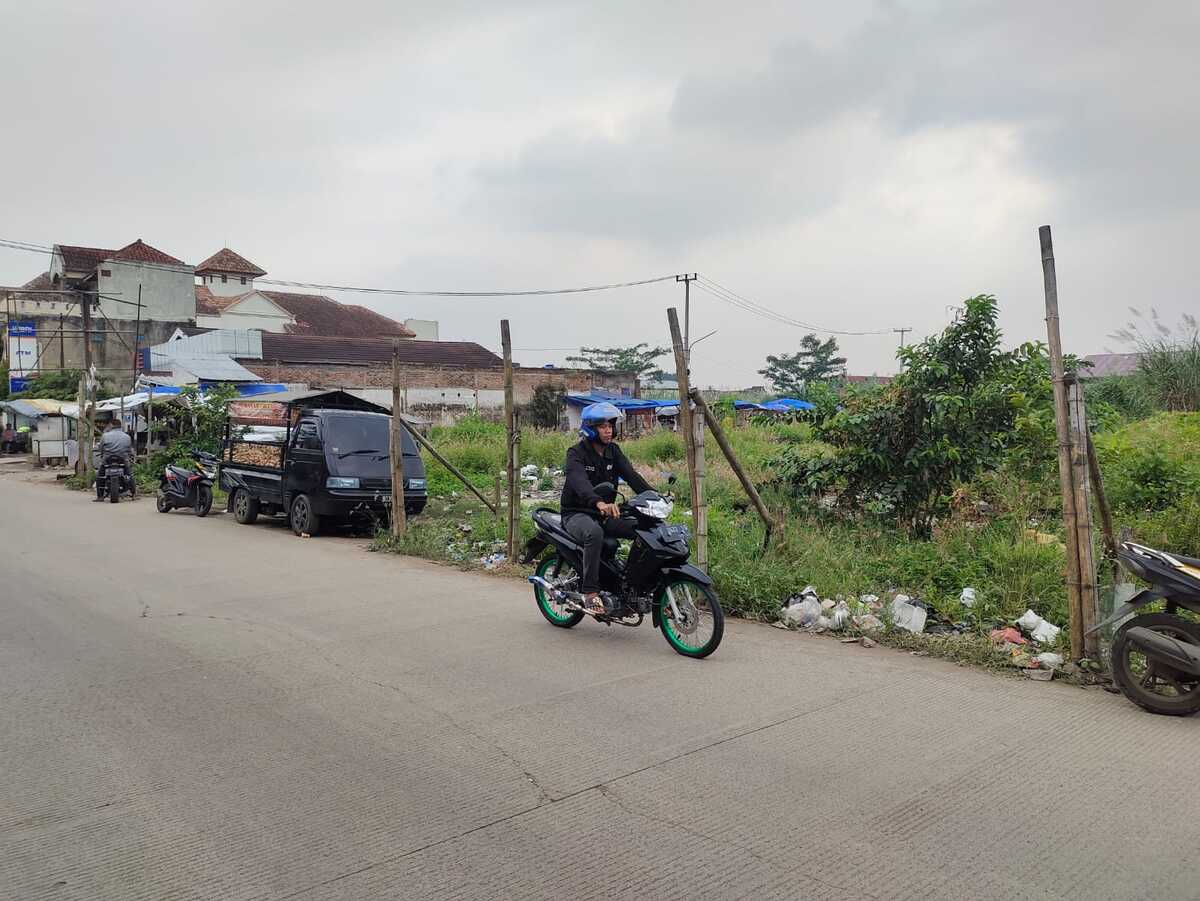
pixel 332 465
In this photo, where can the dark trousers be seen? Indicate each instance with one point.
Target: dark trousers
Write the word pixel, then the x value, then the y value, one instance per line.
pixel 590 533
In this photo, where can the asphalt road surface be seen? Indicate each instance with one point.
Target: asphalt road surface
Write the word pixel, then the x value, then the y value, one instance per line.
pixel 197 709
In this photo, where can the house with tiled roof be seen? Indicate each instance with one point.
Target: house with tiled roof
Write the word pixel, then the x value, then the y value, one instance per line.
pixel 117 277
pixel 226 298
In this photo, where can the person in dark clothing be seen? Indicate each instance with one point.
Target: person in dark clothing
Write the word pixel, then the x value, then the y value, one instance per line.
pixel 587 517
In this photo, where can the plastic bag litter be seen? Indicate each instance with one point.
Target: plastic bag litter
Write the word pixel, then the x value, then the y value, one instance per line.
pixel 1049 660
pixel 1039 630
pixel 804 613
pixel 967 598
pixel 907 616
pixel 870 600
pixel 840 616
pixel 491 561
pixel 827 604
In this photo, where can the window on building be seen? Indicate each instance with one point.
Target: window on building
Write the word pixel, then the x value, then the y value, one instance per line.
pixel 224 280
pixel 243 279
pixel 106 273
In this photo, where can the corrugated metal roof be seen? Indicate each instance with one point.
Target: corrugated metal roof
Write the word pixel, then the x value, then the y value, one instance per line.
pixel 213 368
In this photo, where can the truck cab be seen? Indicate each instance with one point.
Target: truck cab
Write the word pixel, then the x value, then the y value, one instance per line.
pixel 333 466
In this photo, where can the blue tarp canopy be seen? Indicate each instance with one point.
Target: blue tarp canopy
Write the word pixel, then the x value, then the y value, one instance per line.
pixel 617 400
pixel 781 405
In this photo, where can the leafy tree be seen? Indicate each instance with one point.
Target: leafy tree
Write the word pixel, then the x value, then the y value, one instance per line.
pixel 959 405
pixel 544 409
pixel 637 359
pixel 196 420
pixel 814 362
pixel 57 385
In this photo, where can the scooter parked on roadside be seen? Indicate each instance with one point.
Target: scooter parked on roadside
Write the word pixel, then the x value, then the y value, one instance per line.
pixel 1156 656
pixel 182 487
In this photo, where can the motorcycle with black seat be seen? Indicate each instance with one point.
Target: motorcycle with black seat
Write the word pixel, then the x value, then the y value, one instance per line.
pixel 179 486
pixel 655 578
pixel 112 480
pixel 1156 656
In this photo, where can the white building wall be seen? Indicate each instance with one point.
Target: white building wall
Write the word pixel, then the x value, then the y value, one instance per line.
pixel 168 292
pixel 232 286
pixel 426 329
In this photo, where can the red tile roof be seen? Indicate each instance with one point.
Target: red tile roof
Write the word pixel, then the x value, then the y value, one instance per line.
pixel 225 260
pixel 209 304
pixel 317 349
pixel 39 283
pixel 141 252
pixel 319 315
pixel 82 259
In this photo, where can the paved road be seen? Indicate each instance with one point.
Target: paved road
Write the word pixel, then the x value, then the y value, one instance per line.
pixel 197 709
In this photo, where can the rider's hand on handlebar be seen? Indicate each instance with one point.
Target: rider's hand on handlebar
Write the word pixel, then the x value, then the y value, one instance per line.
pixel 608 509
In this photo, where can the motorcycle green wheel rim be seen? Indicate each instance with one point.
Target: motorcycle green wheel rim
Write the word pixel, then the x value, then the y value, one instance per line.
pixel 542 571
pixel 678 641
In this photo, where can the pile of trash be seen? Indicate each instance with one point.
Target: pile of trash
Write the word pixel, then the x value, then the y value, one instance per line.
pixel 869 614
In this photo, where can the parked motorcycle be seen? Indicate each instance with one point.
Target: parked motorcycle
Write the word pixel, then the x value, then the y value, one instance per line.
pixel 112 480
pixel 182 487
pixel 1156 656
pixel 654 579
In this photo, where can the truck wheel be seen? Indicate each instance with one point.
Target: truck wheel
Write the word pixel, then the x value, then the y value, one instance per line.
pixel 304 521
pixel 245 507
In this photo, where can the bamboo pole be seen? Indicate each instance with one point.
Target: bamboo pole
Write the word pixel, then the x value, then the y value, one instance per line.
pixel 1089 605
pixel 1062 428
pixel 685 407
pixel 734 463
pixel 399 514
pixel 510 424
pixel 698 505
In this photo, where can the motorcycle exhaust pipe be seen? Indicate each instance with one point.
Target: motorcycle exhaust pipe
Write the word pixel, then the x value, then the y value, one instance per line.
pixel 567 597
pixel 1180 655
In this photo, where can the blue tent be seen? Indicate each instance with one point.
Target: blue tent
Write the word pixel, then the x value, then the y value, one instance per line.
pixel 617 400
pixel 781 405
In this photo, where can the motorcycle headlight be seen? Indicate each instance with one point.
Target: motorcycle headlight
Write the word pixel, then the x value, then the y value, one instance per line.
pixel 340 482
pixel 659 509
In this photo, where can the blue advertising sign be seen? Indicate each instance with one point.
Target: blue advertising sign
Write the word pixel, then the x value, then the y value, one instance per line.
pixel 22 329
pixel 16 384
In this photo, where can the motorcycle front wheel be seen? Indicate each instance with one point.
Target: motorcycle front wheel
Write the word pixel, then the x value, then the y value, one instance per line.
pixel 161 502
pixel 697 630
pixel 1149 683
pixel 204 500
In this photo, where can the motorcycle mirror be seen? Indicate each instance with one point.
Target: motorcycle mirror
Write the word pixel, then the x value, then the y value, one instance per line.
pixel 671 480
pixel 607 492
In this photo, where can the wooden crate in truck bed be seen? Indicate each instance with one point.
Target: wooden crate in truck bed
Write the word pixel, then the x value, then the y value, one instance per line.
pixel 255 453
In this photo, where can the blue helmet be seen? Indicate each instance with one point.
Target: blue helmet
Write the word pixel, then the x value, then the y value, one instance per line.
pixel 593 414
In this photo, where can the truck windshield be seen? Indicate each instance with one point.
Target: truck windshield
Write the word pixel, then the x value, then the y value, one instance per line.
pixel 357 445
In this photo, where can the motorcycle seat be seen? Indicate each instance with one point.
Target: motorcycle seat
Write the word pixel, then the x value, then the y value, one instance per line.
pixel 1186 561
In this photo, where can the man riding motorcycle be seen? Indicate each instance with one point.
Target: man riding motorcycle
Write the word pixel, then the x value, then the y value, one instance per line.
pixel 115 442
pixel 587 517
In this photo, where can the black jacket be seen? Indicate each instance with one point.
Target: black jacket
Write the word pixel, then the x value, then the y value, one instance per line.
pixel 585 469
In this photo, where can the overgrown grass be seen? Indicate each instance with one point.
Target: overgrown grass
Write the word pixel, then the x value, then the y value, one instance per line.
pixel 999 553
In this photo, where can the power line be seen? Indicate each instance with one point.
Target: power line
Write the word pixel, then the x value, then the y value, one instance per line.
pixel 733 298
pixel 400 292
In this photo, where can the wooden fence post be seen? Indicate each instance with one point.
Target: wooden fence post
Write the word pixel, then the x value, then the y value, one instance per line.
pixel 399 515
pixel 685 416
pixel 1062 428
pixel 510 444
pixel 1089 608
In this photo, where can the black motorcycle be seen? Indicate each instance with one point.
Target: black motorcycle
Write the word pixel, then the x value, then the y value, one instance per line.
pixel 112 480
pixel 193 488
pixel 655 578
pixel 1156 656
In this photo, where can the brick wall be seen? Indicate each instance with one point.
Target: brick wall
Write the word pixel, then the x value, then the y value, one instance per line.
pixel 445 392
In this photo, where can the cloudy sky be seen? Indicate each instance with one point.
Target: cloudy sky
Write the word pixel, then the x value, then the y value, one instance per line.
pixel 859 166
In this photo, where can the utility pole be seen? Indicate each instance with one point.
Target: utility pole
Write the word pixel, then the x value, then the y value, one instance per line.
pixel 510 455
pixel 687 312
pixel 695 478
pixel 902 332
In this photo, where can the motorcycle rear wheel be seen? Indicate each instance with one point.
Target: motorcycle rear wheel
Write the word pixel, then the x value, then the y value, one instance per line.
pixel 555 612
pixel 114 489
pixel 703 624
pixel 162 504
pixel 1149 684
